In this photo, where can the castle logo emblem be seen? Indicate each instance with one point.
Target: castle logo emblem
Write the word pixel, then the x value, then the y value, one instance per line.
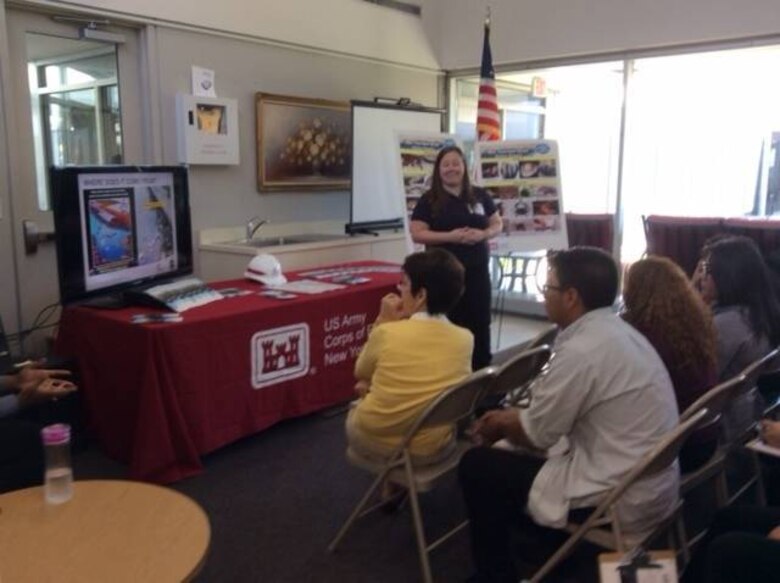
pixel 280 354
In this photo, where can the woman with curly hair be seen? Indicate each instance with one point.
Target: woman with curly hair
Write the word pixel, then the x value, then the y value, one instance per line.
pixel 662 304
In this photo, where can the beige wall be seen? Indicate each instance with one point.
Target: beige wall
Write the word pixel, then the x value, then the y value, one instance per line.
pixel 351 27
pixel 225 196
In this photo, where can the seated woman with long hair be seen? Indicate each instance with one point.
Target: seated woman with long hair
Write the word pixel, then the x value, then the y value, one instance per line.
pixel 734 280
pixel 662 304
pixel 413 353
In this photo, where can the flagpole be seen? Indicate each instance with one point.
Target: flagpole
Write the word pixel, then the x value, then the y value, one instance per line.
pixel 487 17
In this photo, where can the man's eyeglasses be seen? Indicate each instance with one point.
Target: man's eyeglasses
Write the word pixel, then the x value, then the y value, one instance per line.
pixel 547 287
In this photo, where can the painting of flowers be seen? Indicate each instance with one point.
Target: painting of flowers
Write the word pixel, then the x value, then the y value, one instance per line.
pixel 302 143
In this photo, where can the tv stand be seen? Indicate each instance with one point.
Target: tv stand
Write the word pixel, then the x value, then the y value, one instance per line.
pixel 115 301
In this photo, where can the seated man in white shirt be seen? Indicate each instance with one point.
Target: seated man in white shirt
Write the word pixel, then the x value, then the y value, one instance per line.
pixel 606 392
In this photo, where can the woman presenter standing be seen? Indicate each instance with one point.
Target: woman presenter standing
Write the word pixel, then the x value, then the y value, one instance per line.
pixel 461 218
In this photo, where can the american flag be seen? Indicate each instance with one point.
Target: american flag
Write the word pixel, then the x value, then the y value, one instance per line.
pixel 488 118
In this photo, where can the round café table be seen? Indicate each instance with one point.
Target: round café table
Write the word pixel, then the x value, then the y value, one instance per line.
pixel 111 530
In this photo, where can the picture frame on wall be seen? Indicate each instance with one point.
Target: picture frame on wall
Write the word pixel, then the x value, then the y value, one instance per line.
pixel 302 143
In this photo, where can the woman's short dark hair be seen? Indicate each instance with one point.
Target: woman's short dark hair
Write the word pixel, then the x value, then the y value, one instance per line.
pixel 589 270
pixel 441 275
pixel 742 279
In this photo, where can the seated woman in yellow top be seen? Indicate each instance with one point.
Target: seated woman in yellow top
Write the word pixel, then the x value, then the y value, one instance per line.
pixel 413 353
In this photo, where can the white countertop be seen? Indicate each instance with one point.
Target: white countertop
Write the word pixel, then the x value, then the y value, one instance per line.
pixel 227 240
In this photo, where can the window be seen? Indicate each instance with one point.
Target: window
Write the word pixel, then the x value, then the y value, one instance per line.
pixel 700 134
pixel 580 108
pixel 75 105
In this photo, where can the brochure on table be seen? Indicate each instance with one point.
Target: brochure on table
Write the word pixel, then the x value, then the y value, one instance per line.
pixel 417 153
pixel 180 295
pixel 523 177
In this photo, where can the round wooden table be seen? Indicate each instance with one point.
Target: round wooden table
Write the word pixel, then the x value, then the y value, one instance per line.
pixel 110 530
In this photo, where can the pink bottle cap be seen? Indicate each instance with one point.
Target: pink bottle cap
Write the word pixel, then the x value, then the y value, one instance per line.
pixel 56 434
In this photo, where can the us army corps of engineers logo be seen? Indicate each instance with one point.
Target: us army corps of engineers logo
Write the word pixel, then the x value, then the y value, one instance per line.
pixel 280 354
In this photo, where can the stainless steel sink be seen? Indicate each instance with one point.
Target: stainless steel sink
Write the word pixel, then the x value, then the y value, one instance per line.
pixel 287 240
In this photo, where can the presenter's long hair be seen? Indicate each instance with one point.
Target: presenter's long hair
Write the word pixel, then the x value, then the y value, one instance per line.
pixel 437 193
pixel 661 302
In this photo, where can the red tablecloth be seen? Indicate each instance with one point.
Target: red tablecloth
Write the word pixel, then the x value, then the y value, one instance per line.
pixel 160 395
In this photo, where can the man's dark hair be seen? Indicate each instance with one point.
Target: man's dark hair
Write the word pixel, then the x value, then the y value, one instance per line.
pixel 589 270
pixel 441 275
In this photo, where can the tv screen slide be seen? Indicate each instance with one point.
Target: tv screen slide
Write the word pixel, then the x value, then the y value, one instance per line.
pixel 120 227
pixel 129 227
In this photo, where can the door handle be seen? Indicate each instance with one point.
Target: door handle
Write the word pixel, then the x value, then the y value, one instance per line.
pixel 32 236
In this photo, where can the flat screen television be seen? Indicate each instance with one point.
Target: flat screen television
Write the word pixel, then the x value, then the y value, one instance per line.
pixel 119 229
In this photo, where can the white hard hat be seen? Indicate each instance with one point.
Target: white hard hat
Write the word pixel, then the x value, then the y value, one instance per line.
pixel 266 269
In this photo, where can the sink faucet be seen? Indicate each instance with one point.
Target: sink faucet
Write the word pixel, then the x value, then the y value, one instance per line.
pixel 252 225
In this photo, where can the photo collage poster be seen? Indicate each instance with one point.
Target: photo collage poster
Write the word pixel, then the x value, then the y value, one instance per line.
pixel 524 180
pixel 417 153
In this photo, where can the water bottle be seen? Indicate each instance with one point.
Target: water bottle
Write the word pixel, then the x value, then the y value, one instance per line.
pixel 58 479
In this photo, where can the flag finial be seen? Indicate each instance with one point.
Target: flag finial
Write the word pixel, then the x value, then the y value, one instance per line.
pixel 487 16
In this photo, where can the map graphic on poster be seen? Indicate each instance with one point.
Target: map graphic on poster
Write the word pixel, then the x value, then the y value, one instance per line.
pixel 524 180
pixel 417 154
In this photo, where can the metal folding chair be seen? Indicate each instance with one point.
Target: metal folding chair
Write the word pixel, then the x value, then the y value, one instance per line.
pixel 738 439
pixel 515 376
pixel 602 527
pixel 448 408
pixel 715 401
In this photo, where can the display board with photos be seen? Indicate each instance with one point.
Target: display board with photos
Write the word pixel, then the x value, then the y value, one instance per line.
pixel 523 177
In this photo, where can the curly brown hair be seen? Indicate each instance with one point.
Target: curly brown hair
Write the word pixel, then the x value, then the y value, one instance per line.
pixel 662 303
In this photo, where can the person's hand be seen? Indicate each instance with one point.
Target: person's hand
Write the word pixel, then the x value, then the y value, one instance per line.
pixel 30 377
pixel 362 388
pixel 698 276
pixel 390 309
pixel 38 384
pixel 474 236
pixel 770 432
pixel 774 534
pixel 491 426
pixel 459 235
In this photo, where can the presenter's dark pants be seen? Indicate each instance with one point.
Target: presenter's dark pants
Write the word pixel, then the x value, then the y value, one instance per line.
pixel 473 312
pixel 736 548
pixel 21 455
pixel 495 485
